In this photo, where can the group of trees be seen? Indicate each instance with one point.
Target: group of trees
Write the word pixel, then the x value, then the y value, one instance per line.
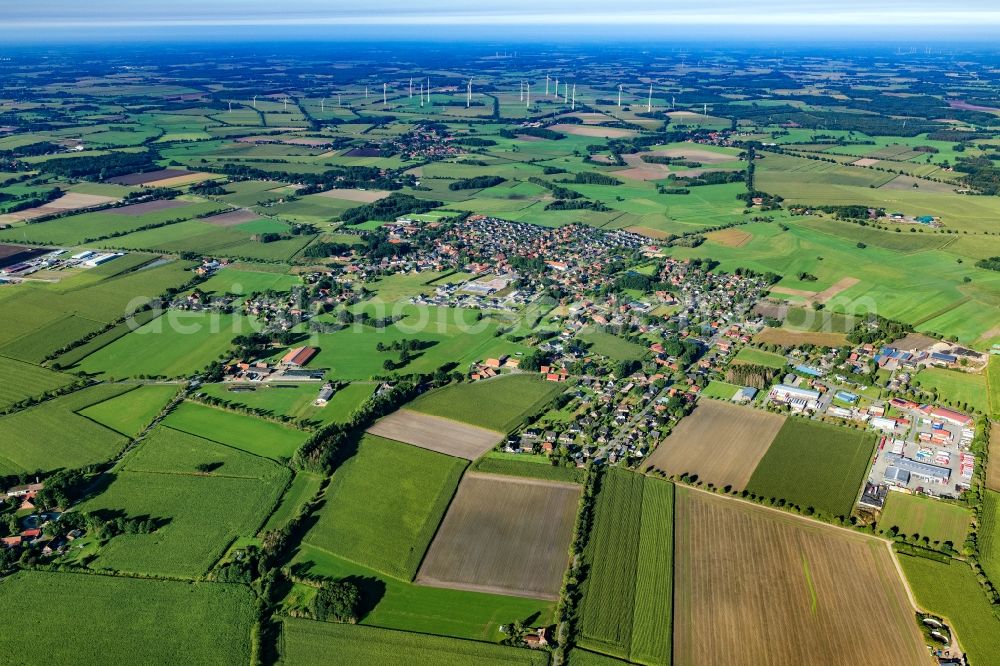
pixel 101 167
pixel 476 183
pixel 990 263
pixel 388 209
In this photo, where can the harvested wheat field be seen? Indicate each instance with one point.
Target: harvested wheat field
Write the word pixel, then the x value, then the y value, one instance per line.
pixel 504 535
pixel 436 434
pixel 753 585
pixel 594 131
pixel 67 202
pixel 719 442
pixel 731 237
pixel 231 218
pixel 362 196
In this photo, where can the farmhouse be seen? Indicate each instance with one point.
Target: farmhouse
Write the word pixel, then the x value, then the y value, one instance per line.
pixel 298 357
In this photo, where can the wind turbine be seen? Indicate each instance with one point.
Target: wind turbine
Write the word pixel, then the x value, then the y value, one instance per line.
pixel 705 110
pixel 468 95
pixel 338 100
pixel 366 92
pixel 573 108
pixel 565 92
pixel 649 100
pixel 673 100
pixel 255 101
pixel 619 95
pixel 521 86
pixel 557 88
pixel 421 95
pixel 230 107
pixel 383 93
pixel 546 85
pixel 322 104
pixel 527 97
pixel 428 90
pixel 411 87
pixel 286 104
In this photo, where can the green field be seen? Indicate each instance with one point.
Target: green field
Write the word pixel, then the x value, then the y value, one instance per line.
pixel 24 380
pixel 814 465
pixel 989 535
pixel 993 385
pixel 531 466
pixel 964 389
pixel 914 515
pixel 952 591
pixel 384 504
pixel 612 346
pixel 296 400
pixel 133 411
pixel 427 610
pixel 52 435
pixel 497 404
pixel 174 345
pixel 78 619
pixel 626 609
pixel 301 490
pixel 241 431
pixel 720 390
pixel 753 356
pixel 200 513
pixel 304 642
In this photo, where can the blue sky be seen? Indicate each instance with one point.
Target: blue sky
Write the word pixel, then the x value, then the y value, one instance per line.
pixel 775 19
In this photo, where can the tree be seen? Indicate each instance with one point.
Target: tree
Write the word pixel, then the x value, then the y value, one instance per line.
pixel 338 601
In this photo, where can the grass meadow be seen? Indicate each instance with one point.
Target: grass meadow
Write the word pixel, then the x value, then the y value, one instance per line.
pixel 384 504
pixel 130 412
pixel 78 618
pixel 200 513
pixel 241 431
pixel 497 404
pixel 914 515
pixel 814 465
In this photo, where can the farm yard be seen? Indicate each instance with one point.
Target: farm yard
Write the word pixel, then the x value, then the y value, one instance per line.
pixel 493 522
pixel 817 576
pixel 436 433
pixel 720 443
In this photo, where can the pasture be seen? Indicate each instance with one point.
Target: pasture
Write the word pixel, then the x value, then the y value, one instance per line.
pixel 814 465
pixel 384 504
pixel 612 346
pixel 199 512
pixel 240 431
pixel 757 586
pixel 168 621
pixel 295 400
pixel 720 390
pixel 498 404
pixel 175 345
pixel 436 433
pixel 24 380
pixel 130 412
pixel 307 643
pixel 396 604
pixel 720 443
pixel 492 522
pixel 751 356
pixel 627 604
pixel 956 387
pixel 52 435
pixel 915 515
pixel 950 589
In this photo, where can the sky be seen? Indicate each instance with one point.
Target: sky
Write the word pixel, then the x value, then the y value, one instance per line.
pixel 776 20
